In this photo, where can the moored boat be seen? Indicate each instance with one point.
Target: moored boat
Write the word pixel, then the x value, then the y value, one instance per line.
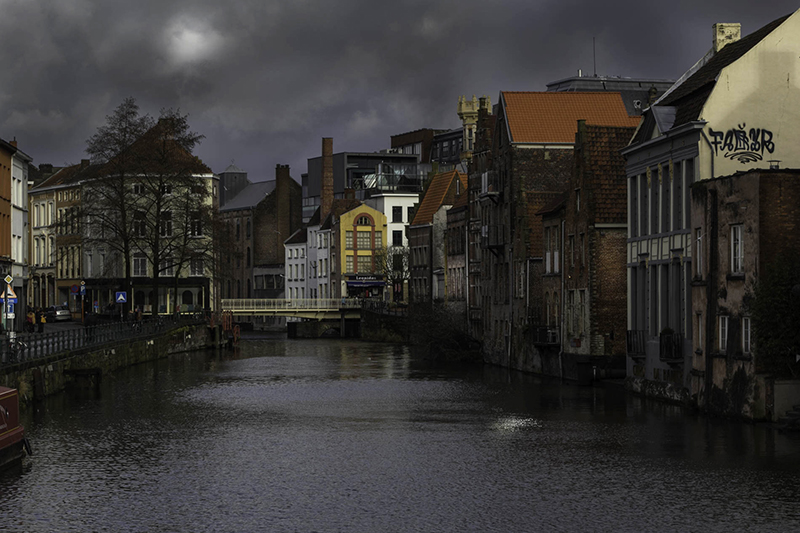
pixel 12 436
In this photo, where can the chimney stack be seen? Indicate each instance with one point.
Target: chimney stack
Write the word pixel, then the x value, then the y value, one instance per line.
pixel 282 195
pixel 725 33
pixel 326 194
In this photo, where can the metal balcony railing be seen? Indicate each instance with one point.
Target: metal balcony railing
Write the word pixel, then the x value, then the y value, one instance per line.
pixel 635 341
pixel 670 347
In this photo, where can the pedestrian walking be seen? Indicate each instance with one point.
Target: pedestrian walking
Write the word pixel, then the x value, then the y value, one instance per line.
pixel 40 320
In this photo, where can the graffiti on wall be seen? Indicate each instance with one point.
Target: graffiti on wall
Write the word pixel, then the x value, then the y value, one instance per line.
pixel 742 144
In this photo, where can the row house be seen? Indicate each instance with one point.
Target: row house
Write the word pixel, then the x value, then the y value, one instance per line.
pixel 14 242
pixel 456 247
pixel 532 162
pixel 259 219
pixel 732 111
pixel 78 233
pixel 744 362
pixel 426 254
pixel 583 314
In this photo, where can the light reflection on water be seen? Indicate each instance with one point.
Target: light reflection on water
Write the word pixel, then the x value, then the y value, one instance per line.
pixel 348 436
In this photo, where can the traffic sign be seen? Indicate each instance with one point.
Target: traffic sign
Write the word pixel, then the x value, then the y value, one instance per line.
pixel 83 289
pixel 74 289
pixel 122 297
pixel 12 296
pixel 8 279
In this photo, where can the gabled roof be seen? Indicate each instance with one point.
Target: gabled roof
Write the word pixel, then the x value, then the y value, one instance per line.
pixel 298 237
pixel 552 117
pixel 71 175
pixel 250 196
pixel 689 94
pixel 436 195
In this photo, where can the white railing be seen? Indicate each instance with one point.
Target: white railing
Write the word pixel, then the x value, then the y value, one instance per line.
pixel 278 304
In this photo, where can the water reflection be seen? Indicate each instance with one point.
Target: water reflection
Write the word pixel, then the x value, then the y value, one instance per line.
pixel 347 436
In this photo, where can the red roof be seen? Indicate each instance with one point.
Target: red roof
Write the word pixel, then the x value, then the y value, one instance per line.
pixel 436 195
pixel 552 117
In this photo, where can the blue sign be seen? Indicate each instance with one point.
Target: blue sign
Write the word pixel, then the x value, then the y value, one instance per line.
pixel 10 300
pixel 10 308
pixel 122 297
pixel 83 290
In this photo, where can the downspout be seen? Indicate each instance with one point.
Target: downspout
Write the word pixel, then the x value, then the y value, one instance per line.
pixel 711 293
pixel 563 305
pixel 703 133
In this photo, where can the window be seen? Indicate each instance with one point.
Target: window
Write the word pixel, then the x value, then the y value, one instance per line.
pixel 547 250
pixel 378 239
pixel 166 189
pixel 165 228
pixel 746 334
pixel 723 333
pixel 238 229
pixel 167 267
pixel 582 311
pixel 410 210
pixel 583 249
pixel 572 250
pixel 700 330
pixel 397 238
pixel 348 263
pixel 138 189
pixel 397 213
pixel 364 241
pixel 737 249
pixel 364 263
pixel 139 265
pixel 248 258
pixel 195 225
pixel 88 262
pixel 577 200
pixel 248 228
pixel 348 241
pixel 363 221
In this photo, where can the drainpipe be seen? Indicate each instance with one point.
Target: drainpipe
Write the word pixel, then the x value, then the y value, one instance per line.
pixel 711 292
pixel 710 147
pixel 563 305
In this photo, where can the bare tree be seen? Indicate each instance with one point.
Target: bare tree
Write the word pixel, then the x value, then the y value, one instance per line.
pixel 107 199
pixel 392 262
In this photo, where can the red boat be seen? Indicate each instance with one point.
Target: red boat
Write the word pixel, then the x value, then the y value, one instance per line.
pixel 12 436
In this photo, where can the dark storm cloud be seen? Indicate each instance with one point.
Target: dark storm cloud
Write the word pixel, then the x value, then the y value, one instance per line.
pixel 265 80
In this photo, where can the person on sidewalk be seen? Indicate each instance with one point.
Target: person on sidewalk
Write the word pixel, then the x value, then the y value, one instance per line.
pixel 40 319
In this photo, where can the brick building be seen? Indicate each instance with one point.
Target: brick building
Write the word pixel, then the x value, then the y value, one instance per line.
pixel 260 218
pixel 731 111
pixel 594 272
pixel 426 236
pixel 532 162
pixel 742 224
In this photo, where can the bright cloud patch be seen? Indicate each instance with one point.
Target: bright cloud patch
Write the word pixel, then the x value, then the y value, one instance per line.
pixel 190 41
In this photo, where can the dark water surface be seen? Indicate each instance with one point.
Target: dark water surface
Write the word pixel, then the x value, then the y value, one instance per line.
pixel 349 436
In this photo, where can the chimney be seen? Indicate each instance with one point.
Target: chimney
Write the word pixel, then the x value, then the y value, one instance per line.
pixel 350 194
pixel 725 33
pixel 14 142
pixel 46 168
pixel 326 194
pixel 282 195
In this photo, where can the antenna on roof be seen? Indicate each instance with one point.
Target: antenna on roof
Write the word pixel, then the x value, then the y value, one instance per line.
pixel 594 57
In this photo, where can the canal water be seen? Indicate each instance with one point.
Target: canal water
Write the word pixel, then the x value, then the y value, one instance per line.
pixel 323 436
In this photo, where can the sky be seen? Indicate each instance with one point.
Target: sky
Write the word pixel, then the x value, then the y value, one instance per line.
pixel 265 80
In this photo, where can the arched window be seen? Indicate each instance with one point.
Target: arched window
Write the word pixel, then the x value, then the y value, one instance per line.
pixel 238 229
pixel 187 298
pixel 238 288
pixel 249 294
pixel 248 256
pixel 364 220
pixel 248 228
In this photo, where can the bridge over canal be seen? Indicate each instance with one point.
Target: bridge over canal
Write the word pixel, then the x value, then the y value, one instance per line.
pixel 311 308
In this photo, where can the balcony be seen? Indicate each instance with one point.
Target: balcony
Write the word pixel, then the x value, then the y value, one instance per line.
pixel 635 341
pixel 545 335
pixel 670 347
pixel 492 237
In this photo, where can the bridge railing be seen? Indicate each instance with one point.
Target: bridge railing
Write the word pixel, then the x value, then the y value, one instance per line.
pixel 280 304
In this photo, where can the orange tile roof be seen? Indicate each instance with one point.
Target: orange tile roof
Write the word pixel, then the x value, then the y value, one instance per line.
pixel 435 195
pixel 552 117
